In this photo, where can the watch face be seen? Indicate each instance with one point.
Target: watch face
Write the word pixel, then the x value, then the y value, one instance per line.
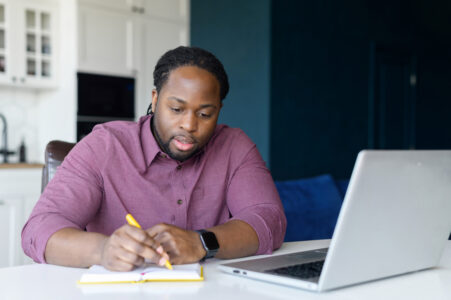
pixel 210 240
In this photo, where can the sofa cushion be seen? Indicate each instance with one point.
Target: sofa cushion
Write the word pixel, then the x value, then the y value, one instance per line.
pixel 311 206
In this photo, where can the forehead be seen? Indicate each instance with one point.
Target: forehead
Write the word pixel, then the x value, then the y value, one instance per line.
pixel 191 80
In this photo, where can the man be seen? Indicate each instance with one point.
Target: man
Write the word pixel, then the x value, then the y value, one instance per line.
pixel 175 171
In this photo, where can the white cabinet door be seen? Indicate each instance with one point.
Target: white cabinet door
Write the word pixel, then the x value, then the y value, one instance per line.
pixel 105 42
pixel 5 42
pixel 11 219
pixel 28 47
pixel 159 37
pixel 19 191
pixel 173 10
pixel 7 234
pixel 38 49
pixel 118 5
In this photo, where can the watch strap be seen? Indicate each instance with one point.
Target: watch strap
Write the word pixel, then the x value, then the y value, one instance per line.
pixel 210 252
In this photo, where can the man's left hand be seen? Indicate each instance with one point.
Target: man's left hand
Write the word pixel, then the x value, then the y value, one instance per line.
pixel 182 246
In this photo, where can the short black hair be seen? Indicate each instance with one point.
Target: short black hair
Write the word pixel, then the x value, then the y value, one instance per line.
pixel 190 56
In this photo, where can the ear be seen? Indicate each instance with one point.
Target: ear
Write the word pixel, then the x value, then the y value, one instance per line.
pixel 154 100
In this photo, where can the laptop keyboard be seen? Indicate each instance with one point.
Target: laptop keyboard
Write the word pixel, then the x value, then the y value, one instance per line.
pixel 303 271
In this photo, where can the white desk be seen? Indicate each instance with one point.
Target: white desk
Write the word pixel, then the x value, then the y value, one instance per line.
pixel 53 282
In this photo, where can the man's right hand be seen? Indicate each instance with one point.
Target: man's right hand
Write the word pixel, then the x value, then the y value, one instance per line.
pixel 130 247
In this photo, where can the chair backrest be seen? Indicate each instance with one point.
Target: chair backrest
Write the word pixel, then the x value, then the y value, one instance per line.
pixel 55 152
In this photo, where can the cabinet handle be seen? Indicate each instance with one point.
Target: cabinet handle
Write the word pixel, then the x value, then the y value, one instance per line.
pixel 14 78
pixel 2 202
pixel 22 80
pixel 139 10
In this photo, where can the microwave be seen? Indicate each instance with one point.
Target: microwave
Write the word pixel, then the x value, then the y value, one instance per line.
pixel 103 98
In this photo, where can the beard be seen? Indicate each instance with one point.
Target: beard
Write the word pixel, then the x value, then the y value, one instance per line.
pixel 165 145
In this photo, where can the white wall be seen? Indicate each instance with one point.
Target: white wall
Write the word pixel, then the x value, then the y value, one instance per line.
pixel 44 115
pixel 20 107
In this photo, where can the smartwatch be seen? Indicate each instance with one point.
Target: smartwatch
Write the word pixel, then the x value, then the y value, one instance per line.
pixel 209 242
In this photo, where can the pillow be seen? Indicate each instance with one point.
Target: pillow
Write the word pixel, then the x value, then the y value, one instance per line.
pixel 311 206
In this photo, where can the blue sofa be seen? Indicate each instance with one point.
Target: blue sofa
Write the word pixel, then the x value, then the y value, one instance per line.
pixel 311 206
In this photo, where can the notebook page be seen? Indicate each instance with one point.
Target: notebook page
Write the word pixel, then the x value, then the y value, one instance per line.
pixel 179 272
pixel 98 274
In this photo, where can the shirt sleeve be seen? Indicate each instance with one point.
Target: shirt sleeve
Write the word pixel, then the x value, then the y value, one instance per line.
pixel 70 200
pixel 252 197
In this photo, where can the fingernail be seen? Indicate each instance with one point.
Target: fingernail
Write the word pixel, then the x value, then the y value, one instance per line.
pixel 160 250
pixel 162 261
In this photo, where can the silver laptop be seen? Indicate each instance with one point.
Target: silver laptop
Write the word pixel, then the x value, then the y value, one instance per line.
pixel 395 219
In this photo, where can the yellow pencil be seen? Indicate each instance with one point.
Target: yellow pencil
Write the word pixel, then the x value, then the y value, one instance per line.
pixel 133 222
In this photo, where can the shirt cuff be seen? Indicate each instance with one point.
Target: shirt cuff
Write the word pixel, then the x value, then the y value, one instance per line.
pixel 264 233
pixel 52 225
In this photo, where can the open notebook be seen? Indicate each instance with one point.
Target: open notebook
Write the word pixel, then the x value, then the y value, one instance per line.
pixel 188 272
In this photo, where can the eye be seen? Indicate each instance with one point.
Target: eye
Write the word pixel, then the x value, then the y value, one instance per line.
pixel 204 115
pixel 176 109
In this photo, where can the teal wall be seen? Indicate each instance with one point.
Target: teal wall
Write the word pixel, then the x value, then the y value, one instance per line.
pixel 237 32
pixel 314 82
pixel 341 74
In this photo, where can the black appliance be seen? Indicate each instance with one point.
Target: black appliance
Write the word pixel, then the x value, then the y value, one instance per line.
pixel 103 98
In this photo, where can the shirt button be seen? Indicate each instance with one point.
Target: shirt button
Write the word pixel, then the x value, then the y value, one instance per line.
pixel 179 167
pixel 179 202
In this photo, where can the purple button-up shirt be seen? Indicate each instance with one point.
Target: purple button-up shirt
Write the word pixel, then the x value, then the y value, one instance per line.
pixel 119 169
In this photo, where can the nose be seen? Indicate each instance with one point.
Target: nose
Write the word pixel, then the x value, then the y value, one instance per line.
pixel 189 122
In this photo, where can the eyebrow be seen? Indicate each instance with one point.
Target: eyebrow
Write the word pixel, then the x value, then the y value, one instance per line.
pixel 184 102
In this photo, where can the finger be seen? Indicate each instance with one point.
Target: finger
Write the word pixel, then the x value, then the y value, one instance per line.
pixel 180 245
pixel 129 257
pixel 161 233
pixel 119 265
pixel 157 229
pixel 136 248
pixel 163 239
pixel 146 246
pixel 141 236
pixel 167 240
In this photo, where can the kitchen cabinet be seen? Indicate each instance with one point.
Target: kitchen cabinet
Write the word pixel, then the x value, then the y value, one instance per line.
pixel 127 37
pixel 20 189
pixel 7 234
pixel 3 31
pixel 112 34
pixel 158 36
pixel 28 47
pixel 174 10
pixel 105 41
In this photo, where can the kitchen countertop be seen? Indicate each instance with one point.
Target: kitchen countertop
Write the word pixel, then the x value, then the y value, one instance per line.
pixel 21 166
